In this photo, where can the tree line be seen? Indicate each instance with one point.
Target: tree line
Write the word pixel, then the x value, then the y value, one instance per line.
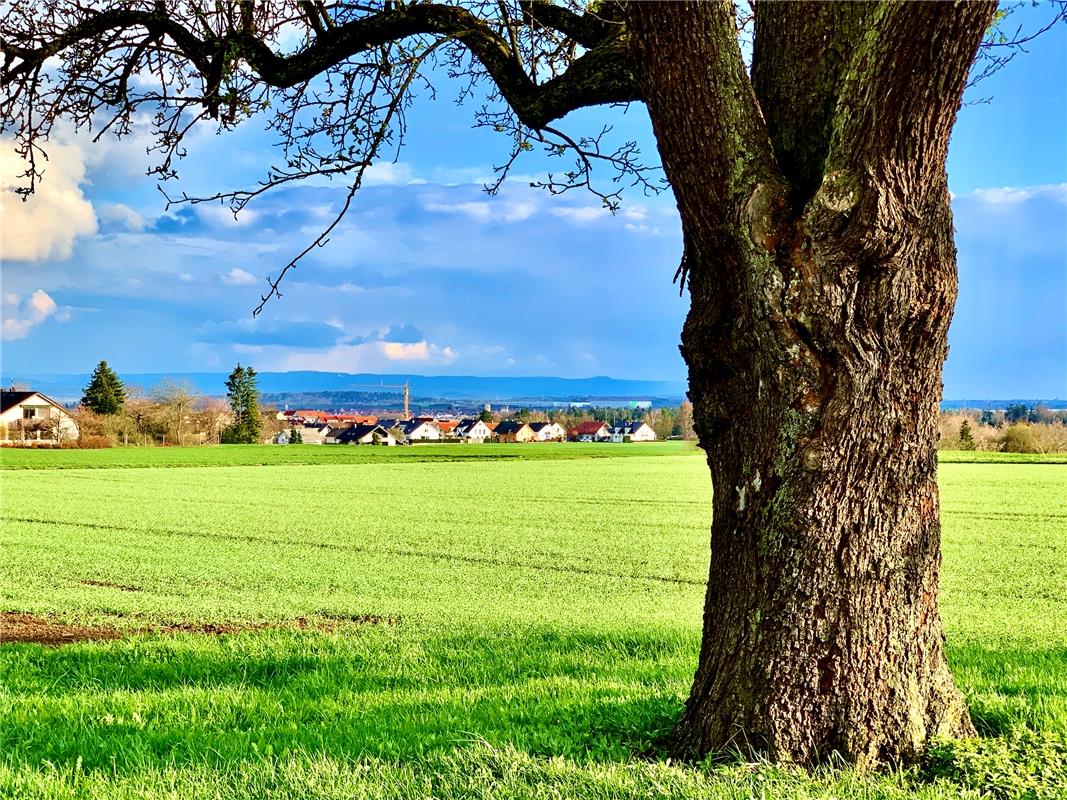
pixel 1019 428
pixel 173 412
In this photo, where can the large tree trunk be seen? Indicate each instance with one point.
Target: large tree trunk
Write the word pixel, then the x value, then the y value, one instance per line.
pixel 821 267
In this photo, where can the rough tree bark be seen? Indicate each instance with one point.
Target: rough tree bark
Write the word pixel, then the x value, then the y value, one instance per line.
pixel 821 266
pixel 817 250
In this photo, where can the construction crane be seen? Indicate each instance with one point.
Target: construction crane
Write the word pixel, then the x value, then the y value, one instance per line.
pixel 405 386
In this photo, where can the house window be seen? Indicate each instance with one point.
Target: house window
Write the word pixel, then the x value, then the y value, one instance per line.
pixel 29 413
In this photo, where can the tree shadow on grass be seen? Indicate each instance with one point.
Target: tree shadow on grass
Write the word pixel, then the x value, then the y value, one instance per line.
pixel 390 694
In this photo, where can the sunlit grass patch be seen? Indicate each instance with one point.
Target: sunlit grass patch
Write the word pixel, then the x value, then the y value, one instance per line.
pixel 544 612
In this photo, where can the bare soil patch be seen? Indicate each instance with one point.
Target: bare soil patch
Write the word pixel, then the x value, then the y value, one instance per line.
pixel 109 585
pixel 16 627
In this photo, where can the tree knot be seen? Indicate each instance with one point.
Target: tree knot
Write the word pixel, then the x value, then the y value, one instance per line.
pixel 764 212
pixel 839 192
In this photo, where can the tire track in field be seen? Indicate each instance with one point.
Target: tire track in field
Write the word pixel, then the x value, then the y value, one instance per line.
pixel 356 548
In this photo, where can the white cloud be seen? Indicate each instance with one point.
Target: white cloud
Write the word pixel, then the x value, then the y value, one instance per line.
pixel 185 277
pixel 1019 194
pixel 580 215
pixel 121 214
pixel 223 217
pixel 46 225
pixel 475 210
pixel 238 277
pixel 374 356
pixel 388 173
pixel 27 315
pixel 484 211
pixel 400 351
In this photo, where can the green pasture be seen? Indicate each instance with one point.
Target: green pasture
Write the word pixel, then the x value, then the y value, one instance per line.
pixel 475 621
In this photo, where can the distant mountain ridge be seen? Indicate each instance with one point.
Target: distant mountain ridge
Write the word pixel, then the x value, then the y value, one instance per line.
pixel 68 387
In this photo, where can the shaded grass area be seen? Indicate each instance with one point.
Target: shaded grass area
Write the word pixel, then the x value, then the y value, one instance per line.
pixel 548 628
pixel 387 694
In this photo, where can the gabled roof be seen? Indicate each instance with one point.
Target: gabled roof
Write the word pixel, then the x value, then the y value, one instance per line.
pixel 357 432
pixel 508 427
pixel 363 419
pixel 537 426
pixel 414 424
pixel 626 428
pixel 589 428
pixel 447 425
pixel 9 399
pixel 465 426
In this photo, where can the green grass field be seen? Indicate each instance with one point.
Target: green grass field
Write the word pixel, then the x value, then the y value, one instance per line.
pixel 477 621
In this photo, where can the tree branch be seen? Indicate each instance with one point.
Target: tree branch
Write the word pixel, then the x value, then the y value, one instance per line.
pixel 894 115
pixel 713 160
pixel 601 75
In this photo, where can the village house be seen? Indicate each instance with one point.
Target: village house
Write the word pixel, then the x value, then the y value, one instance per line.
pixel 448 427
pixel 311 433
pixel 32 416
pixel 591 431
pixel 331 432
pixel 420 429
pixel 473 430
pixel 512 430
pixel 548 431
pixel 633 432
pixel 366 434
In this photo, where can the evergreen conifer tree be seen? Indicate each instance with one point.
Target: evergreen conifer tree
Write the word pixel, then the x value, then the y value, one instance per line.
pixel 295 437
pixel 966 437
pixel 105 393
pixel 243 395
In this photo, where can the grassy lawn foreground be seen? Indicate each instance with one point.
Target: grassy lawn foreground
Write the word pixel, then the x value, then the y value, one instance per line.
pixel 494 621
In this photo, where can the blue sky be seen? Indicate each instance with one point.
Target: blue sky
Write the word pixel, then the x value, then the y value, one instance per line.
pixel 430 275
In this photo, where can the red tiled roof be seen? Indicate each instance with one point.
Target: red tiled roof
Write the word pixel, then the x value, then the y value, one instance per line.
pixel 362 419
pixel 588 428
